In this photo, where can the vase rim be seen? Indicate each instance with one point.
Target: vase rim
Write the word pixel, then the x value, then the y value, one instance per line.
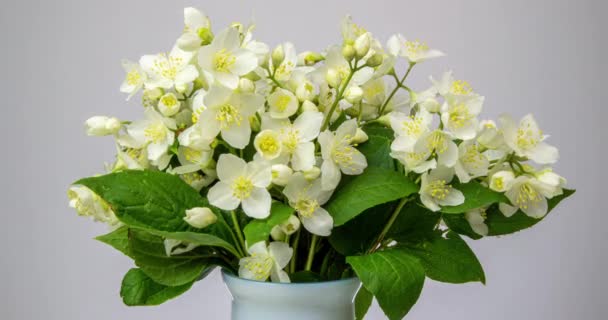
pixel 230 275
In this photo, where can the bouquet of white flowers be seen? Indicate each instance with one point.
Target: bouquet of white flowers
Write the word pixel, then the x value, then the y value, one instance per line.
pixel 287 167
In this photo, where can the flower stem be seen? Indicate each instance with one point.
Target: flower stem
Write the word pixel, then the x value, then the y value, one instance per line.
pixel 388 226
pixel 338 98
pixel 296 242
pixel 397 87
pixel 239 234
pixel 311 252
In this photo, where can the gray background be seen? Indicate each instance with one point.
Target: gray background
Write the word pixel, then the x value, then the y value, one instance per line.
pixel 61 64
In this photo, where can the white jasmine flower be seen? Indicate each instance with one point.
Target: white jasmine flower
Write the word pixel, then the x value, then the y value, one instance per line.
pixel 224 59
pixel 339 155
pixel 471 163
pixel 297 137
pixel 168 104
pixel 134 80
pixel 529 195
pixel 242 183
pixel 196 137
pixel 89 204
pixel 168 71
pixel 501 181
pixel 414 51
pixel 102 126
pixel 488 135
pixel 459 116
pixel 434 143
pixel 266 261
pixel 307 197
pixel 284 61
pixel 550 178
pixel 197 30
pixel 156 132
pixel 408 129
pixel 350 30
pixel 436 191
pixel 476 219
pixel 448 87
pixel 283 104
pixel 527 140
pixel 200 217
pixel 268 144
pixel 229 113
pixel 192 159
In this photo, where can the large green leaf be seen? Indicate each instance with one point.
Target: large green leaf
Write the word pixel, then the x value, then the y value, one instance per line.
pixel 149 254
pixel 140 290
pixel 201 239
pixel 413 223
pixel 447 258
pixel 118 239
pixel 475 196
pixel 393 276
pixel 153 201
pixel 259 230
pixel 378 148
pixel 363 301
pixel 373 187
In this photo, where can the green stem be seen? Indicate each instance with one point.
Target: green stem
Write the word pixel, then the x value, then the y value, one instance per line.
pixel 311 252
pixel 325 263
pixel 388 225
pixel 239 234
pixel 338 98
pixel 296 242
pixel 397 87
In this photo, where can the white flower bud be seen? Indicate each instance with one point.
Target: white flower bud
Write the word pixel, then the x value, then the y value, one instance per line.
pixel 362 45
pixel 431 105
pixel 268 144
pixel 255 123
pixel 278 55
pixel 359 137
pixel 348 52
pixel 290 226
pixel 309 58
pixel 277 234
pixel 305 91
pixel 501 181
pixel 308 105
pixel 200 217
pixel 353 94
pixel 333 78
pixel 168 105
pixel 375 60
pixel 246 85
pixel 102 126
pixel 312 174
pixel 281 174
pixel 385 120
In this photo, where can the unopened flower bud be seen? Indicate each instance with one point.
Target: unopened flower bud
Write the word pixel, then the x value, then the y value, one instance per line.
pixel 362 45
pixel 308 105
pixel 168 104
pixel 359 137
pixel 205 35
pixel 333 78
pixel 348 51
pixel 375 60
pixel 278 55
pixel 102 126
pixel 277 234
pixel 200 217
pixel 309 58
pixel 281 174
pixel 246 85
pixel 290 226
pixel 305 91
pixel 255 123
pixel 431 105
pixel 312 174
pixel 353 94
pixel 385 120
pixel 501 181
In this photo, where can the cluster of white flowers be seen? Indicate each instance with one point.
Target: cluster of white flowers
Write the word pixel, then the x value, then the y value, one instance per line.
pixel 228 113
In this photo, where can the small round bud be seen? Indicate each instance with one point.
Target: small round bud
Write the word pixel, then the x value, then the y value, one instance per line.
pixel 281 174
pixel 290 226
pixel 255 123
pixel 309 58
pixel 312 174
pixel 246 85
pixel 353 94
pixel 168 104
pixel 501 181
pixel 359 137
pixel 205 35
pixel 278 55
pixel 305 91
pixel 182 87
pixel 277 234
pixel 375 60
pixel 268 144
pixel 431 105
pixel 333 78
pixel 348 52
pixel 200 217
pixel 308 105
pixel 102 126
pixel 362 45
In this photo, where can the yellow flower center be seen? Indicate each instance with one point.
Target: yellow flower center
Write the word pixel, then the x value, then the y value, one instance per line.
pixel 416 47
pixel 223 60
pixel 527 195
pixel 472 156
pixel 439 189
pixel 436 142
pixel 499 183
pixel 460 116
pixel 228 115
pixel 242 187
pixel 133 78
pixel 192 155
pixel 192 177
pixel 527 138
pixel 342 153
pixel 268 144
pixel 283 102
pixel 461 87
pixel 260 265
pixel 169 100
pixel 413 127
pixel 306 207
pixel 166 67
pixel 291 140
pixel 156 132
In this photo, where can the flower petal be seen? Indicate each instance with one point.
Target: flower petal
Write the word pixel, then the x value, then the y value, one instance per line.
pixel 257 205
pixel 221 196
pixel 320 223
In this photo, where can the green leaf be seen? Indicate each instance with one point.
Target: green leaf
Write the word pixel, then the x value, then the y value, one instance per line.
pixel 498 224
pixel 139 290
pixel 393 276
pixel 378 148
pixel 363 301
pixel 259 230
pixel 475 196
pixel 152 200
pixel 447 259
pixel 149 254
pixel 413 223
pixel 118 239
pixel 373 187
pixel 460 225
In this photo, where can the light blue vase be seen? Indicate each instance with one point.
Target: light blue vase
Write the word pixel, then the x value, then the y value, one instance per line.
pixel 253 300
